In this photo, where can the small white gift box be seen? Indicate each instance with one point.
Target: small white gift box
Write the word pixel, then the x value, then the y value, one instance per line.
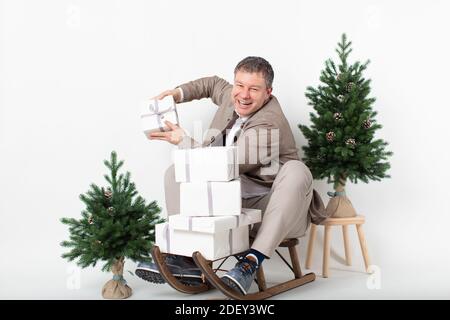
pixel 154 112
pixel 206 164
pixel 210 198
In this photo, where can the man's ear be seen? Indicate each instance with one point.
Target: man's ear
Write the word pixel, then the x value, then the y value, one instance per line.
pixel 269 91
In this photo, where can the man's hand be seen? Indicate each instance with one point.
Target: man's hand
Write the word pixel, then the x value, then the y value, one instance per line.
pixel 174 136
pixel 175 93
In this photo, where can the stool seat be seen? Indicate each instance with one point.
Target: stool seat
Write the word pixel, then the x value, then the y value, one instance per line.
pixel 344 221
pixel 358 221
pixel 286 243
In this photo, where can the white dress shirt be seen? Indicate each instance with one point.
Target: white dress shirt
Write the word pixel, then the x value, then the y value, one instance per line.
pixel 249 189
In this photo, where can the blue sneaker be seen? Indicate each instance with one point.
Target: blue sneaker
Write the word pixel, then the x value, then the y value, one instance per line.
pixel 240 278
pixel 181 267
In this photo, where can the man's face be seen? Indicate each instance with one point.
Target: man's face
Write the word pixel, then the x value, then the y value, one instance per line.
pixel 249 92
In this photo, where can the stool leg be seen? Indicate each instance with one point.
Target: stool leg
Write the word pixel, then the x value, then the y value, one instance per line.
pixel 312 238
pixel 295 262
pixel 326 251
pixel 348 254
pixel 362 242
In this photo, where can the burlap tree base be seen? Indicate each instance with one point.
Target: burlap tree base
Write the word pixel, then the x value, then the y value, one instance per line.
pixel 339 205
pixel 117 288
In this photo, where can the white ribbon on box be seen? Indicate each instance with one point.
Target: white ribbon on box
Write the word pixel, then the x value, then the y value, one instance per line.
pixel 162 236
pixel 166 234
pixel 210 198
pixel 152 109
pixel 230 240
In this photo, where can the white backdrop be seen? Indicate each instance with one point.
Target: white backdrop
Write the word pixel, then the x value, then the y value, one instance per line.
pixel 73 72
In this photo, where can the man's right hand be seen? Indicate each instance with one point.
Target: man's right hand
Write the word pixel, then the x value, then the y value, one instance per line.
pixel 174 136
pixel 174 92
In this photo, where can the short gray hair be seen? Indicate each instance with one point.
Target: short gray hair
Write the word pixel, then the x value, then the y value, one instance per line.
pixel 256 65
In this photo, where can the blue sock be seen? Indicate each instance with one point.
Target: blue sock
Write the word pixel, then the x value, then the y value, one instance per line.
pixel 256 255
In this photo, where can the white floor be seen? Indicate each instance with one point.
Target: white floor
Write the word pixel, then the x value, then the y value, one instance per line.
pixel 46 276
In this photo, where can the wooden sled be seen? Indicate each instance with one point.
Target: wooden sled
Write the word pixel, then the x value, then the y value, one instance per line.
pixel 264 292
pixel 213 281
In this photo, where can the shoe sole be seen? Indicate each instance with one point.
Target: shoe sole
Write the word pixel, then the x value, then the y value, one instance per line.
pixel 233 284
pixel 150 276
pixel 155 277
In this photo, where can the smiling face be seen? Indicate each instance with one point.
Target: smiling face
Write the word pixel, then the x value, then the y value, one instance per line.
pixel 249 92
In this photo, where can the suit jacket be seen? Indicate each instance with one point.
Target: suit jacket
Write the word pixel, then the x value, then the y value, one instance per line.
pixel 266 141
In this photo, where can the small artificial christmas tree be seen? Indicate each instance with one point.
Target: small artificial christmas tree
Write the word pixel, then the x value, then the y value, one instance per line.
pixel 115 225
pixel 341 142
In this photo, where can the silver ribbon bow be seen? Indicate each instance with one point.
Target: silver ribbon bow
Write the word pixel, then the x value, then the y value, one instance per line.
pixel 166 232
pixel 154 109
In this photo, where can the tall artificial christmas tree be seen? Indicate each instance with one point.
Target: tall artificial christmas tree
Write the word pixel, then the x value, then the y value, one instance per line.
pixel 341 144
pixel 115 225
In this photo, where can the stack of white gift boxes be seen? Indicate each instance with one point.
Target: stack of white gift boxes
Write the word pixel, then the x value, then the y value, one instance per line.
pixel 211 219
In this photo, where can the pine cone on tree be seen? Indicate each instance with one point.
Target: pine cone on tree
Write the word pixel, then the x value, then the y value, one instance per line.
pixel 330 136
pixel 108 193
pixel 111 211
pixel 350 86
pixel 367 124
pixel 337 116
pixel 341 98
pixel 91 220
pixel 351 143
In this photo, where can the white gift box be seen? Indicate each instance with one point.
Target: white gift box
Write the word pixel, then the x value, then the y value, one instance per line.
pixel 154 112
pixel 212 246
pixel 215 224
pixel 214 237
pixel 210 198
pixel 206 164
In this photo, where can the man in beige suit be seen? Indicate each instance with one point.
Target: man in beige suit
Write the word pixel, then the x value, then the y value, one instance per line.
pixel 273 178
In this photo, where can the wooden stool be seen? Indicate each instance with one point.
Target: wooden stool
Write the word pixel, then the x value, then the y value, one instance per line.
pixel 344 222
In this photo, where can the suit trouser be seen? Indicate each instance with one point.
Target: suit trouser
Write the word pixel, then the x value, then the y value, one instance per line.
pixel 285 208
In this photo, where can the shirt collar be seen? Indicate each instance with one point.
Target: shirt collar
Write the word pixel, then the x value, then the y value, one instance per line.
pixel 243 119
